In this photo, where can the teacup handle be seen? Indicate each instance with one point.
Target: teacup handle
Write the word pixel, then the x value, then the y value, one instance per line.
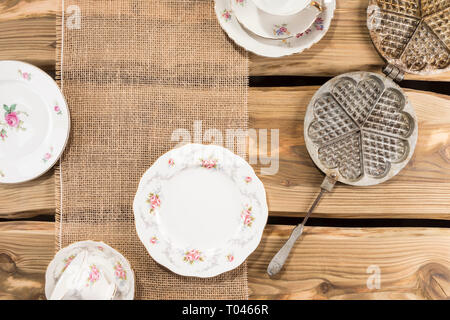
pixel 317 5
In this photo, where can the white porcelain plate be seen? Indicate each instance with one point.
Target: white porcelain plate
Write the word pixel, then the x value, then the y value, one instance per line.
pixel 102 261
pixel 34 122
pixel 271 26
pixel 200 210
pixel 274 47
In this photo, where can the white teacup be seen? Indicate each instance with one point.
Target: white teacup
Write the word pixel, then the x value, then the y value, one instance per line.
pixel 89 277
pixel 89 270
pixel 96 279
pixel 282 7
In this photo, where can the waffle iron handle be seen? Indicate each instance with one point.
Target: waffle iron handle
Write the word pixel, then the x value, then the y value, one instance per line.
pixel 280 258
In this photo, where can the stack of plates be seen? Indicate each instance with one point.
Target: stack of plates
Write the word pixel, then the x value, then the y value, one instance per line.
pixel 275 28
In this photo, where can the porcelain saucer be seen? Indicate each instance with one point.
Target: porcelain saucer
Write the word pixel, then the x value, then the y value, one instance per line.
pixel 273 47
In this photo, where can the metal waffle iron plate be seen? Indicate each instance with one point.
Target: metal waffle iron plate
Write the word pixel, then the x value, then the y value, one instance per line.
pixel 412 35
pixel 360 129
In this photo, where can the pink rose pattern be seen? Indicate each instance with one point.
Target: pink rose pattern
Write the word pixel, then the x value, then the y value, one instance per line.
pixel 12 120
pixel 153 240
pixel 3 134
pixel 47 155
pixel 154 201
pixel 58 110
pixel 25 75
pixel 241 2
pixel 230 258
pixel 226 14
pixel 209 164
pixel 94 275
pixel 171 162
pixel 119 271
pixel 193 256
pixel 247 216
pixel 248 179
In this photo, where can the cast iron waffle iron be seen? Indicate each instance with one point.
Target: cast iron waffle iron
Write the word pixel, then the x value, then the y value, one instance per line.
pixel 360 129
pixel 412 35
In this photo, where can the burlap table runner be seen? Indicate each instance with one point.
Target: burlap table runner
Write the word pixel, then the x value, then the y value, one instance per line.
pixel 132 73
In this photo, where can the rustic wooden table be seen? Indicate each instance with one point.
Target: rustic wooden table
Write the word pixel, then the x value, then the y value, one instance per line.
pixel 410 245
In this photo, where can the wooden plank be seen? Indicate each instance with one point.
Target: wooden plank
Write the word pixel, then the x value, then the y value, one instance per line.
pixel 333 263
pixel 26 248
pixel 346 47
pixel 28 34
pixel 420 191
pixel 328 263
pixel 28 199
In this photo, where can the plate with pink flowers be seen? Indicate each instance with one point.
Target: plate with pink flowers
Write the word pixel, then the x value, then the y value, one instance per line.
pixel 200 210
pixel 34 122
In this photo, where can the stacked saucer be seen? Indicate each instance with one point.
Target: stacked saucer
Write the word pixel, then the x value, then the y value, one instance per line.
pixel 275 28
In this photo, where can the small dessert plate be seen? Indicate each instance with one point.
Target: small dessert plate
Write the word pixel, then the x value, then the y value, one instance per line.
pixel 272 26
pixel 34 122
pixel 89 270
pixel 274 47
pixel 200 210
pixel 280 7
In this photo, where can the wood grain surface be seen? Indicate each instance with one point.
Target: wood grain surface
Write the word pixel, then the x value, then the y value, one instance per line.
pixel 28 199
pixel 28 33
pixel 327 263
pixel 26 248
pixel 420 191
pixel 335 263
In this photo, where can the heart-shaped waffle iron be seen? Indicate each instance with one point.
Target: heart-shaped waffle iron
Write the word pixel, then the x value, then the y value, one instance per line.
pixel 413 35
pixel 360 128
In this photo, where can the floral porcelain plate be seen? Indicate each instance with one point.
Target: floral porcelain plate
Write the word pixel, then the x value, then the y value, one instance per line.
pixel 91 277
pixel 200 210
pixel 272 26
pixel 274 47
pixel 34 122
